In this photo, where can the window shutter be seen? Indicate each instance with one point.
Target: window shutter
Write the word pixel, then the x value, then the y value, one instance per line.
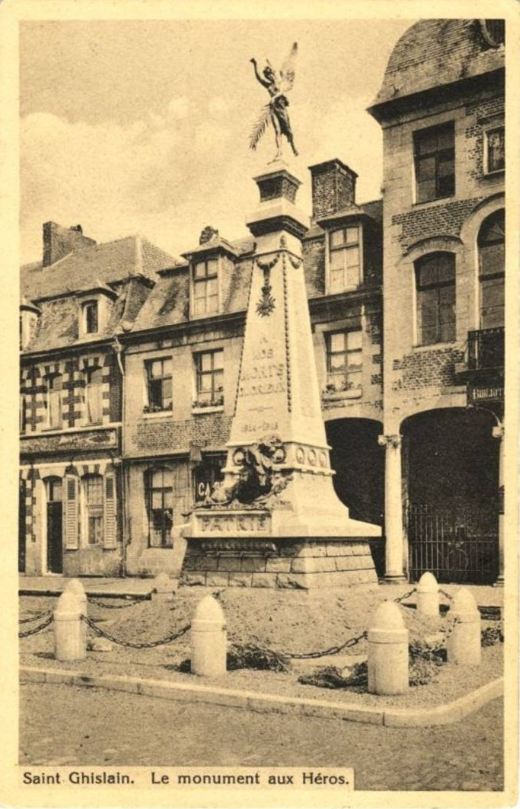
pixel 109 512
pixel 71 512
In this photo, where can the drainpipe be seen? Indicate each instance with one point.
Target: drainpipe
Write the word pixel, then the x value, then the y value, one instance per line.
pixel 119 351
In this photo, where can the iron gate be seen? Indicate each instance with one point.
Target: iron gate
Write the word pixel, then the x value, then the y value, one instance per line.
pixel 455 544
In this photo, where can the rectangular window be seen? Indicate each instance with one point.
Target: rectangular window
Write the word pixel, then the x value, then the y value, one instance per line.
pixel 159 385
pixel 94 505
pixel 205 287
pixel 159 495
pixel 494 150
pixel 434 157
pixel 435 279
pixel 90 317
pixel 209 366
pixel 344 360
pixel 206 474
pixel 344 259
pixel 54 402
pixel 94 396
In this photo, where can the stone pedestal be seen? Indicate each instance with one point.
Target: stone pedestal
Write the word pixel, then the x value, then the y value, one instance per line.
pixel 276 520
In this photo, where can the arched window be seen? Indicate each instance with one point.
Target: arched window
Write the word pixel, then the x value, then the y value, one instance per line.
pixel 159 500
pixel 435 285
pixel 491 261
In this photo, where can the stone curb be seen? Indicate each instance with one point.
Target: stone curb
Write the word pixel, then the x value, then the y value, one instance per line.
pixel 273 703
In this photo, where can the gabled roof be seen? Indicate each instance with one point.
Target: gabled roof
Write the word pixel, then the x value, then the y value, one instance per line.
pixel 434 53
pixel 106 263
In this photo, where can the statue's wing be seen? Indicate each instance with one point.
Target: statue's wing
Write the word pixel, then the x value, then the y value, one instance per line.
pixel 287 72
pixel 263 121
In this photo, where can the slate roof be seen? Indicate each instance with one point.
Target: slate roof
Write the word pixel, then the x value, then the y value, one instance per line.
pixel 435 53
pixel 105 263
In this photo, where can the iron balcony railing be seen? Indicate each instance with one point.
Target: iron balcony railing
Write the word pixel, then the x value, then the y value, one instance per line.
pixel 486 349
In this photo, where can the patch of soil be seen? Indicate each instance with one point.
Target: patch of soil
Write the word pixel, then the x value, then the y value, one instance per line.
pixel 264 626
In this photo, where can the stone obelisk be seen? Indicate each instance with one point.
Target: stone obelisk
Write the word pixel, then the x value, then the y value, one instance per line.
pixel 292 530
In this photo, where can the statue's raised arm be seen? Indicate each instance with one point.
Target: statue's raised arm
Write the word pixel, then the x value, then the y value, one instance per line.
pixel 275 112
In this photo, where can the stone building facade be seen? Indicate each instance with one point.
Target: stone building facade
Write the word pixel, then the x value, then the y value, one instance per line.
pixel 406 302
pixel 441 109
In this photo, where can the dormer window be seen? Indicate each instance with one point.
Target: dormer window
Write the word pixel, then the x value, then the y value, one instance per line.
pixel 90 317
pixel 28 322
pixel 345 264
pixel 205 287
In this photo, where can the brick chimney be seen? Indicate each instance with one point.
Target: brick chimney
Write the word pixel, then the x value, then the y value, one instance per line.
pixel 333 187
pixel 59 241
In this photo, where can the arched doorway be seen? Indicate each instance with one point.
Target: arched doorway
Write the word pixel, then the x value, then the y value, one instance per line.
pixel 451 504
pixel 358 462
pixel 54 496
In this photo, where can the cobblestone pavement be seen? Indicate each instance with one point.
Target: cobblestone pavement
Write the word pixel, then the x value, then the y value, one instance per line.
pixel 64 725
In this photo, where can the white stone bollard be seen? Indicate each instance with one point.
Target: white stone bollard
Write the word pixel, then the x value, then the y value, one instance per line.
pixel 428 596
pixel 69 635
pixel 75 587
pixel 464 642
pixel 163 587
pixel 208 639
pixel 387 651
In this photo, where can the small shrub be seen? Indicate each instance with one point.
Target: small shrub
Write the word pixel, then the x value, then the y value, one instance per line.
pixel 332 677
pixel 252 656
pixel 492 635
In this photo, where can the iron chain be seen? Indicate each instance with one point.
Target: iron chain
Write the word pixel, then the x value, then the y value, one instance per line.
pixel 405 596
pixel 35 617
pixel 34 631
pixel 135 600
pixel 136 644
pixel 334 650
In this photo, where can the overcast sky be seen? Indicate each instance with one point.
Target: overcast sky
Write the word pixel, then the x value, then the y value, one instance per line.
pixel 143 127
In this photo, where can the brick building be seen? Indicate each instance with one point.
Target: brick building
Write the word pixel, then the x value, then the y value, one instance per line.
pixel 74 304
pixel 160 371
pixel 441 109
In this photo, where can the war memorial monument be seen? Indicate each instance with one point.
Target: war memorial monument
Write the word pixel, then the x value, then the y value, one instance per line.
pixel 276 513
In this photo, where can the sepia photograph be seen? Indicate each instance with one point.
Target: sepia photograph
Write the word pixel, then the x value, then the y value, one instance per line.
pixel 267 447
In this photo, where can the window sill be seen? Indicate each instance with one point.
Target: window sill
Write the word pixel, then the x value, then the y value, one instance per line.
pixel 434 346
pixel 340 395
pixel 200 411
pixel 439 200
pixel 353 288
pixel 157 414
pixel 495 173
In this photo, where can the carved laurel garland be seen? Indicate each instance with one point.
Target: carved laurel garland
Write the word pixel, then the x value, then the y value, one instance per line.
pixel 266 304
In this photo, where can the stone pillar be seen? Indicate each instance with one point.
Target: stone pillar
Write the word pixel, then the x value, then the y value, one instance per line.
pixel 464 644
pixel 498 433
pixel 387 651
pixel 208 639
pixel 428 596
pixel 69 635
pixel 394 532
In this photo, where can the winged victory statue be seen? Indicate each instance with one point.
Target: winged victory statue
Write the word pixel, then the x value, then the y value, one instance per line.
pixel 277 84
